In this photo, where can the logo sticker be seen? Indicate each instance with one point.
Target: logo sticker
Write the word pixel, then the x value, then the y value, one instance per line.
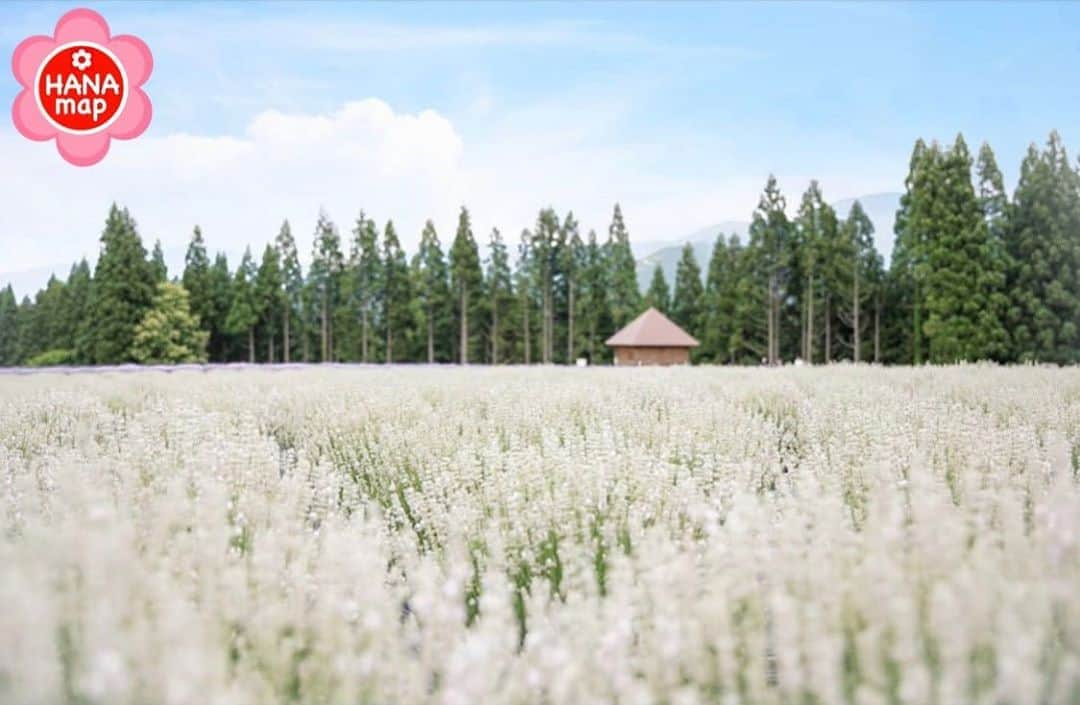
pixel 82 86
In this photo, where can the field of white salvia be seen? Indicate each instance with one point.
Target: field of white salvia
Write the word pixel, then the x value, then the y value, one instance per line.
pixel 564 536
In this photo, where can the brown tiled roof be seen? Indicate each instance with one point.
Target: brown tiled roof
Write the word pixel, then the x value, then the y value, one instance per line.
pixel 652 329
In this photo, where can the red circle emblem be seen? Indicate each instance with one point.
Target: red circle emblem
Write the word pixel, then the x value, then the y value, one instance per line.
pixel 81 87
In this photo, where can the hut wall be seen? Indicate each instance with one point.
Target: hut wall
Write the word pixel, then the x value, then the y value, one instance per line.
pixel 628 356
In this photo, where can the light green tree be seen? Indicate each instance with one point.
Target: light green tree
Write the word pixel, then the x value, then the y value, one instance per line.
pixel 169 332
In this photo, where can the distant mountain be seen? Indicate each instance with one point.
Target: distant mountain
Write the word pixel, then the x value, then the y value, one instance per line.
pixel 702 241
pixel 646 248
pixel 879 207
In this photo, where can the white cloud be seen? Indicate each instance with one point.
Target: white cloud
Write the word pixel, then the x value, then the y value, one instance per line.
pixel 237 188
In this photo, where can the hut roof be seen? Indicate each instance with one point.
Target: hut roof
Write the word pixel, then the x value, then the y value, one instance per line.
pixel 652 329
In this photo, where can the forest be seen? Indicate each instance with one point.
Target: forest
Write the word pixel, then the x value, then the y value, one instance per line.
pixel 975 275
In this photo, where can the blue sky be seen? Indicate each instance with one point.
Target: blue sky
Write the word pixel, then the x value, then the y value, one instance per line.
pixel 679 111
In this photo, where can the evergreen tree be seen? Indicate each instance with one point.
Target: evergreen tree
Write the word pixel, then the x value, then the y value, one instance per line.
pixel 197 282
pixel 544 260
pixel 965 279
pixel 292 276
pixel 816 240
pixel 310 309
pixel 221 344
pixel 994 209
pixel 366 272
pixel 993 201
pixel 499 286
pixel 327 263
pixel 908 268
pixel 625 297
pixel 74 307
pixel 524 286
pixel 770 241
pixel 157 263
pixel 720 341
pixel 31 325
pixel 24 332
pixel 395 291
pixel 748 304
pixel 596 309
pixel 43 330
pixel 433 295
pixel 1043 245
pixel 466 280
pixel 658 296
pixel 9 312
pixel 571 261
pixel 269 297
pixel 244 313
pixel 687 301
pixel 121 292
pixel 860 264
pixel 168 332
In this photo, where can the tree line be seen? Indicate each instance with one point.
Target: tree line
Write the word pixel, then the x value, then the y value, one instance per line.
pixel 975 275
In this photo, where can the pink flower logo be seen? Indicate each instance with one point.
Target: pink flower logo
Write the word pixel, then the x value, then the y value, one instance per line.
pixel 82 86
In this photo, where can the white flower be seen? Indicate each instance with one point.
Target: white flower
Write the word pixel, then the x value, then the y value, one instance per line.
pixel 81 59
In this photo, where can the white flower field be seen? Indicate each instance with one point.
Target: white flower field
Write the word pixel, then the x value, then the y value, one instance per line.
pixel 541 535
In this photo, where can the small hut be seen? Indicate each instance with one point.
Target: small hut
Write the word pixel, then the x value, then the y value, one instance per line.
pixel 652 339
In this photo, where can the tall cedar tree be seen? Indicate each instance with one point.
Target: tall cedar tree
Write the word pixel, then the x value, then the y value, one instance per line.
pixel 571 261
pixel 396 296
pixel 770 239
pixel 545 250
pixel 24 330
pixel 38 325
pixel 994 209
pixel 499 286
pixel 327 263
pixel 223 347
pixel 965 279
pixel 292 276
pixel 596 305
pixel 815 233
pixel 121 292
pixel 243 312
pixel 687 299
pixel 76 301
pixel 269 298
pixel 157 263
pixel 659 295
pixel 720 340
pixel 622 270
pixel 196 281
pixel 367 278
pixel 859 264
pixel 9 311
pixel 525 284
pixel 1043 245
pixel 908 268
pixel 466 283
pixel 433 296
